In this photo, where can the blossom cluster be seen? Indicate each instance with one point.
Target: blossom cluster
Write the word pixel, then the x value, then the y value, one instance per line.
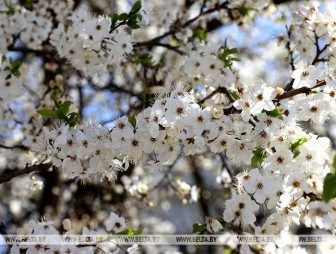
pixel 89 44
pixel 113 223
pixel 313 34
pixel 293 166
pixel 258 127
pixel 33 27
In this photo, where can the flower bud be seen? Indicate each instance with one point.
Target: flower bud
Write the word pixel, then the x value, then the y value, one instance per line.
pixel 279 90
pixel 66 224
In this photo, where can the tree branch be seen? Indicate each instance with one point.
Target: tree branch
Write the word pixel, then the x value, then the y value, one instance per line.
pixel 218 90
pixel 8 175
pixel 41 52
pixel 155 41
pixel 301 90
pixel 165 45
pixel 115 88
pixel 22 147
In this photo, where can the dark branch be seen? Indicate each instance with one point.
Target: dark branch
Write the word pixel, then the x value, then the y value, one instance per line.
pixel 226 165
pixel 115 88
pixel 281 1
pixel 22 147
pixel 301 90
pixel 8 175
pixel 165 45
pixel 156 40
pixel 41 52
pixel 218 90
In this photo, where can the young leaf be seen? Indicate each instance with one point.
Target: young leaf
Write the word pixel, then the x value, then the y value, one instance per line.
pixel 64 108
pixel 123 16
pixel 329 187
pixel 139 231
pixel 334 163
pixel 234 94
pixel 72 119
pixel 53 97
pixel 14 67
pixel 200 33
pixel 132 120
pixel 277 112
pixel 243 10
pixel 197 228
pixel 226 55
pixel 227 250
pixel 11 10
pixel 132 23
pixel 128 231
pixel 294 146
pixel 139 16
pixel 47 113
pixel 114 18
pixel 143 58
pixel 258 157
pixel 136 7
pixel 29 3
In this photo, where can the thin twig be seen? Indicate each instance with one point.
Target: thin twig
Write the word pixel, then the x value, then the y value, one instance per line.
pixel 168 46
pixel 22 147
pixel 156 40
pixel 226 165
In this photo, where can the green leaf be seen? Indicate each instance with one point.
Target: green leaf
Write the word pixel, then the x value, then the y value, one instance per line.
pixel 136 7
pixel 334 163
pixel 72 119
pixel 277 112
pixel 61 112
pixel 235 59
pixel 197 228
pixel 226 55
pixel 132 23
pixel 114 18
pixel 123 16
pixel 227 250
pixel 233 51
pixel 234 94
pixel 11 10
pixel 13 67
pixel 200 33
pixel 64 108
pixel 132 120
pixel 53 97
pixel 243 10
pixel 143 58
pixel 329 187
pixel 258 157
pixel 128 231
pixel 139 16
pixel 295 146
pixel 47 113
pixel 151 101
pixel 139 231
pixel 29 3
